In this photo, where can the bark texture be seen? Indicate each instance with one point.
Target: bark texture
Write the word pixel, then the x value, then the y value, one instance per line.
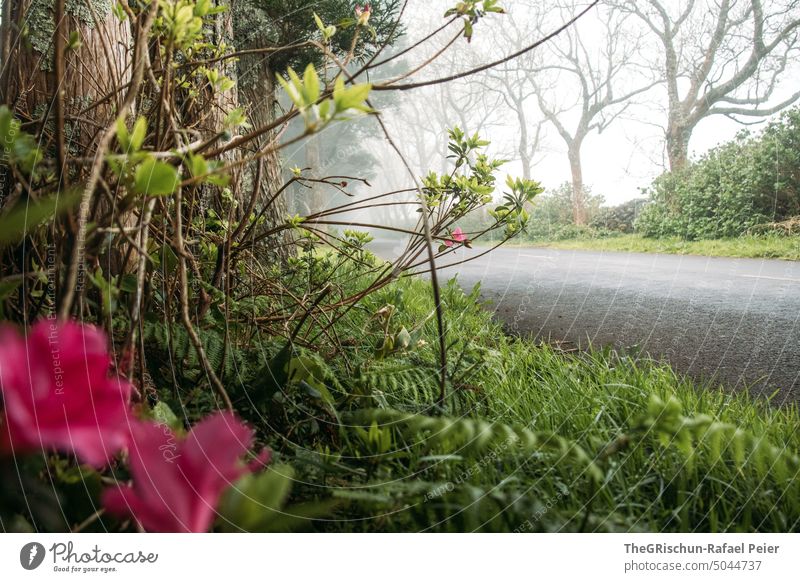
pixel 257 92
pixel 94 73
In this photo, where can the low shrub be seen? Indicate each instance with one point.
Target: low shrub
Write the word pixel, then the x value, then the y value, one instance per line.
pixel 731 190
pixel 620 218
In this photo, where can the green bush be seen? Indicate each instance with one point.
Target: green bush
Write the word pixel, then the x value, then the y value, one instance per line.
pixel 552 218
pixel 620 218
pixel 552 215
pixel 735 187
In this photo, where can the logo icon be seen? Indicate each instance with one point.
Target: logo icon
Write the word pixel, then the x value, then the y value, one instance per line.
pixel 31 555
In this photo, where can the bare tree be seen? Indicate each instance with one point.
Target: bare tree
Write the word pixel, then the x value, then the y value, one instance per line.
pixel 585 81
pixel 461 104
pixel 424 118
pixel 516 91
pixel 719 57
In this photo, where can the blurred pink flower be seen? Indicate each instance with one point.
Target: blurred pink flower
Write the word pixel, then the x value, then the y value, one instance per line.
pixel 178 483
pixel 57 392
pixel 458 237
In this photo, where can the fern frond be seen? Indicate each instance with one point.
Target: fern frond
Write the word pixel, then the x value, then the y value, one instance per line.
pixel 467 436
pixel 413 383
pixel 722 442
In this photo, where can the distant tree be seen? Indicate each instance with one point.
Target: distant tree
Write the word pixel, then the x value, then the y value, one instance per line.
pixel 582 86
pixel 552 213
pixel 619 218
pixel 718 57
pixel 424 119
pixel 733 189
pixel 578 83
pixel 273 35
pixel 514 86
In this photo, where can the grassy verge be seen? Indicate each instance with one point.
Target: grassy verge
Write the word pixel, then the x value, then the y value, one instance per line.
pixel 668 454
pixel 787 248
pixel 527 438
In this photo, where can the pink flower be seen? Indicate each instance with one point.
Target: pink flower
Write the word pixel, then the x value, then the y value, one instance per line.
pixel 57 392
pixel 458 237
pixel 363 14
pixel 178 483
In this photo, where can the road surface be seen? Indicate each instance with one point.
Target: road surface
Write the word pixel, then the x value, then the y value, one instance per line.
pixel 721 320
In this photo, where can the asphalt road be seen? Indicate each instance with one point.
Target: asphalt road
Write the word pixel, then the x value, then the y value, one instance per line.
pixel 720 320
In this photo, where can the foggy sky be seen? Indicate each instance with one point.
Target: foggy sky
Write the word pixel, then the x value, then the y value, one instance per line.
pixel 616 163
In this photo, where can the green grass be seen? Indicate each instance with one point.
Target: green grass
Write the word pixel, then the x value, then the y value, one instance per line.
pixel 773 247
pixel 673 455
pixel 596 397
pixel 604 441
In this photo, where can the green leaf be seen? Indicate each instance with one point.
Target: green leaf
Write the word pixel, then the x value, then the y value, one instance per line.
pixel 236 118
pixel 123 136
pixel 155 178
pixel 255 501
pixel 468 30
pixel 402 340
pixel 319 22
pixel 296 82
pixel 128 283
pixel 346 98
pixel 16 146
pixel 293 92
pixel 168 258
pixel 197 165
pixel 109 292
pixel 25 216
pixel 138 134
pixel 491 6
pixel 7 287
pixel 163 414
pixel 306 369
pixel 226 84
pixel 311 90
pixel 273 376
pixel 325 110
pixel 327 31
pixel 119 12
pixel 9 127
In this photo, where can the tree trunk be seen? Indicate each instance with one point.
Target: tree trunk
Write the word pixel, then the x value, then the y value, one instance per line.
pixel 93 81
pixel 526 164
pixel 92 86
pixel 94 74
pixel 578 192
pixel 257 90
pixel 523 147
pixel 678 145
pixel 317 199
pixel 212 112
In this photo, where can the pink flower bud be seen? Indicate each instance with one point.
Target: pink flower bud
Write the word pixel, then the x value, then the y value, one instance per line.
pixel 363 14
